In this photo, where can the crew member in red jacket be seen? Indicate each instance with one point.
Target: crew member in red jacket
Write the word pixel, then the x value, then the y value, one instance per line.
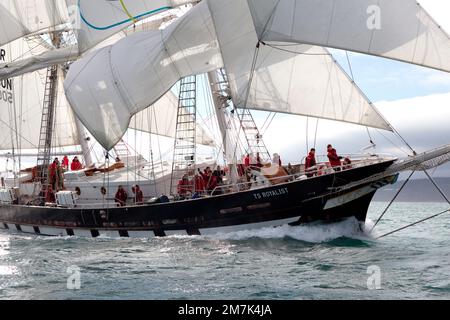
pixel 121 197
pixel 335 160
pixel 247 161
pixel 76 165
pixel 65 163
pixel 199 184
pixel 138 195
pixel 310 162
pixel 184 186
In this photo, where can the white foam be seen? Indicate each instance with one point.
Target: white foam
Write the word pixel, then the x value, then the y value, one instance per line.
pixel 314 233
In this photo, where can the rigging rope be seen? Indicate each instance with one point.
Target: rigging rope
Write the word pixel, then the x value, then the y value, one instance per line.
pixel 426 219
pixel 277 47
pixel 404 141
pixel 307 135
pixel 315 134
pixel 392 201
pixel 353 79
pixel 414 224
pixel 127 12
pixel 252 73
pixel 265 128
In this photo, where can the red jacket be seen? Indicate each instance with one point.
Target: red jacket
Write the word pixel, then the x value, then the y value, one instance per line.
pixel 310 161
pixel 76 165
pixel 335 160
pixel 247 161
pixel 52 171
pixel 199 184
pixel 138 196
pixel 210 183
pixel 121 197
pixel 183 187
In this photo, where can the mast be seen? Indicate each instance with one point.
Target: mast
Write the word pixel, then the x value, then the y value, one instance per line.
pixel 219 85
pixel 47 119
pixel 185 137
pixel 83 139
pixel 217 81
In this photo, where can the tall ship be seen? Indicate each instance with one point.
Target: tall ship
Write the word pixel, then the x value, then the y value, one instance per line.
pixel 97 80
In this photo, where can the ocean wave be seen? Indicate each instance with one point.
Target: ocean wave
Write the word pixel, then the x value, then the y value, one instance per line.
pixel 312 233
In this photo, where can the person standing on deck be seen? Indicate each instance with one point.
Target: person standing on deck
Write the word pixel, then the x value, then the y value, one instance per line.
pixel 53 173
pixel 76 165
pixel 65 163
pixel 276 159
pixel 335 160
pixel 199 184
pixel 219 174
pixel 138 195
pixel 247 161
pixel 121 197
pixel 258 165
pixel 310 163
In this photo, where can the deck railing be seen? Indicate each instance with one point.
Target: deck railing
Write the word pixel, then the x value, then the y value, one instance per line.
pixel 320 169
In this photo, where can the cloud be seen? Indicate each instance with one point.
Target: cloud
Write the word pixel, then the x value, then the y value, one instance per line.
pixel 423 121
pixel 439 10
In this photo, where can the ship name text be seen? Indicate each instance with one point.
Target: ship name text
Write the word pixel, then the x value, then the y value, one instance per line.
pixel 270 194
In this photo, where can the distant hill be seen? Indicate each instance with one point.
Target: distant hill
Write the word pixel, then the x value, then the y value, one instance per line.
pixel 420 190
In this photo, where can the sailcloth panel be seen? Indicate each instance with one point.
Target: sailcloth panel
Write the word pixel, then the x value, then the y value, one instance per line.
pixel 38 62
pixel 19 18
pixel 100 19
pixel 287 78
pixel 109 86
pixel 21 101
pixel 41 58
pixel 160 119
pixel 65 128
pixel 399 29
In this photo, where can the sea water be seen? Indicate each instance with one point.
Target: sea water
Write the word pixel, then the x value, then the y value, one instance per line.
pixel 335 261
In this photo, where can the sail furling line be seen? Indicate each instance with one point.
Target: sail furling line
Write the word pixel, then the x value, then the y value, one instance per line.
pixel 352 75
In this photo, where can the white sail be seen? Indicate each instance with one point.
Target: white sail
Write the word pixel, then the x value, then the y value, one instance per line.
pixel 399 29
pixel 160 119
pixel 108 87
pixel 20 18
pixel 38 62
pixel 65 131
pixel 288 78
pixel 46 58
pixel 21 105
pixel 98 20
